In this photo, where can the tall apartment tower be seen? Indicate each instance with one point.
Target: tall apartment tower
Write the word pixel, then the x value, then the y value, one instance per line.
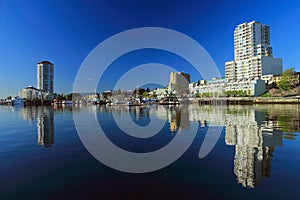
pixel 253 55
pixel 45 75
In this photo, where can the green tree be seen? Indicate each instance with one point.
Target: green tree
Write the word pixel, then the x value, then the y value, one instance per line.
pixel 60 97
pixel 139 91
pixel 286 80
pixel 145 94
pixel 233 93
pixel 68 96
pixel 228 93
pixel 240 93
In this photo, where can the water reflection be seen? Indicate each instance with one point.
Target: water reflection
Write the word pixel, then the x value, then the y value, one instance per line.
pixel 44 116
pixel 45 126
pixel 254 131
pixel 254 137
pixel 177 116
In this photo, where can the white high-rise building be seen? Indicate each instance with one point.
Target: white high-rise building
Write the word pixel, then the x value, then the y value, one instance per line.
pixel 45 75
pixel 253 55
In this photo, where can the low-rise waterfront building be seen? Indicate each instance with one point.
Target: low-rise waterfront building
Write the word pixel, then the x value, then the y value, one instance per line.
pixel 295 79
pixel 161 93
pixel 248 87
pixel 213 88
pixel 268 78
pixel 31 93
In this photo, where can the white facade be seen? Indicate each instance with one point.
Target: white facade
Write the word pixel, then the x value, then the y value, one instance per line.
pixel 254 87
pixel 251 39
pixel 31 93
pixel 215 87
pixel 268 79
pixel 253 55
pixel 161 92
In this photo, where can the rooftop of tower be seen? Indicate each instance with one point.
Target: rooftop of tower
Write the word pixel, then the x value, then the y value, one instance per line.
pixel 45 62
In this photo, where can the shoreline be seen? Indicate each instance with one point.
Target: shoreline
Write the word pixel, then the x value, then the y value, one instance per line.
pixel 210 101
pixel 248 100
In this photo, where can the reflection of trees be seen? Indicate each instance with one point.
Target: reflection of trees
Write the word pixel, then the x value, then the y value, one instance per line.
pixel 285 117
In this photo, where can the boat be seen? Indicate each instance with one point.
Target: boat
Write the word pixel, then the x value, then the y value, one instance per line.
pixel 117 102
pixel 17 101
pixel 169 101
pixel 134 103
pixel 96 100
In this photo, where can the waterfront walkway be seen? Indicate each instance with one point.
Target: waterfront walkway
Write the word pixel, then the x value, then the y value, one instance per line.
pixel 249 100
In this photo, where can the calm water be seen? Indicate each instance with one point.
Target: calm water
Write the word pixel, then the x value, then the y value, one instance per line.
pixel 256 155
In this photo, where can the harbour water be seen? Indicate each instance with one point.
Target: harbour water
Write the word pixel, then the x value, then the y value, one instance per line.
pixel 256 155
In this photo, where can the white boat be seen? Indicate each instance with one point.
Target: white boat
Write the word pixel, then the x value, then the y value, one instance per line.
pixel 169 101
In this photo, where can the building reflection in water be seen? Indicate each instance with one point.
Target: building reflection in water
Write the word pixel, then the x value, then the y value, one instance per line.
pixel 254 139
pixel 45 126
pixel 254 130
pixel 176 116
pixel 253 133
pixel 45 123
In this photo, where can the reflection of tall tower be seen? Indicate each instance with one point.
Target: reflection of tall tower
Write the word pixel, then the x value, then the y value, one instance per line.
pixel 251 164
pixel 45 126
pixel 254 145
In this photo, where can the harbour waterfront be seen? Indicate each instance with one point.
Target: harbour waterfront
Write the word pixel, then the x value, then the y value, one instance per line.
pixel 256 155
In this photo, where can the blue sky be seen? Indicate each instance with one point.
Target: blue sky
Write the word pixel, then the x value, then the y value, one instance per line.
pixel 64 32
